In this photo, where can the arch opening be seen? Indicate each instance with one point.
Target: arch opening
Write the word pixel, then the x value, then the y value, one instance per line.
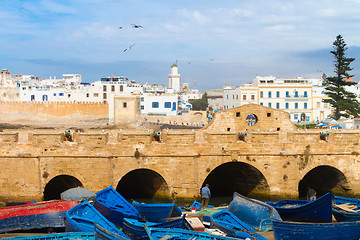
pixel 59 184
pixel 323 179
pixel 236 177
pixel 143 183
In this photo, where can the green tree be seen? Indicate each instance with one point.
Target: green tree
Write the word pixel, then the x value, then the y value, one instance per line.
pixel 200 104
pixel 343 102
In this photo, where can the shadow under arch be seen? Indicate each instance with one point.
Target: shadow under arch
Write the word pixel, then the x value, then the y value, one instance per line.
pixel 323 179
pixel 143 183
pixel 239 177
pixel 59 184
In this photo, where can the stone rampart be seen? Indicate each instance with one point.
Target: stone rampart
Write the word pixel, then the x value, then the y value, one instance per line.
pixel 184 158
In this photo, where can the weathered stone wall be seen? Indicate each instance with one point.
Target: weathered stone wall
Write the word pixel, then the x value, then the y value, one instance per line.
pixel 184 158
pixel 51 111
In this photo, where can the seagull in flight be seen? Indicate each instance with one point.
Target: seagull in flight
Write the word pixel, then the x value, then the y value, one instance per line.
pixel 120 27
pixel 128 48
pixel 136 26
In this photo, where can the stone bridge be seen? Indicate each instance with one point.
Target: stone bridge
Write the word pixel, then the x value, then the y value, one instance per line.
pixel 250 149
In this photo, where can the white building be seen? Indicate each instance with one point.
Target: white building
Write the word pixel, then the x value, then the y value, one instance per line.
pixel 174 78
pixel 301 97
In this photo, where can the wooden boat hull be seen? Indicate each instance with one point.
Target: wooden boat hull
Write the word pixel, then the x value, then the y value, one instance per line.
pixel 114 207
pixel 324 231
pixel 254 213
pixel 82 218
pixel 233 226
pixel 56 236
pixel 157 212
pixel 47 214
pixel 136 230
pixel 318 211
pixel 180 234
pixel 347 215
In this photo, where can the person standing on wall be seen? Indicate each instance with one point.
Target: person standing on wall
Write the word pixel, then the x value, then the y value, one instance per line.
pixel 205 196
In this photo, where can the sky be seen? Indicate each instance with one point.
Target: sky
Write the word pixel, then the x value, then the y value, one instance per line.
pixel 214 43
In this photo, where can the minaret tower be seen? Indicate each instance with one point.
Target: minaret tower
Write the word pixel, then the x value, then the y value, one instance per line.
pixel 174 78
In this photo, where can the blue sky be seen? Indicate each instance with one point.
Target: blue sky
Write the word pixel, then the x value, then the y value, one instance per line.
pixel 216 42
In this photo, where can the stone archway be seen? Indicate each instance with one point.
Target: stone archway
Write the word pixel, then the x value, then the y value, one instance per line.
pixel 239 177
pixel 323 179
pixel 143 183
pixel 59 184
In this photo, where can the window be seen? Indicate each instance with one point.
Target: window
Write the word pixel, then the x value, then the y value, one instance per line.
pixel 155 104
pixel 261 94
pixel 237 96
pixel 44 97
pixel 104 96
pixel 141 99
pixel 104 88
pixel 54 94
pixel 277 105
pixel 296 105
pixel 96 94
pixel 87 95
pixel 325 105
pixel 252 97
pixel 69 95
pixel 296 94
pixel 322 92
pixel 296 116
pixel 113 88
pixel 142 107
pixel 237 114
pixel 287 94
pixel 121 88
pixel 61 94
pixel 318 105
pixel 305 94
pixel 32 97
pixel 277 94
pixel 174 106
pixel 124 105
pixel 269 104
pixel 261 104
pixel 244 97
pixel 167 105
pixel 269 94
pixel 305 105
pixel 227 96
pixel 287 105
pixel 233 96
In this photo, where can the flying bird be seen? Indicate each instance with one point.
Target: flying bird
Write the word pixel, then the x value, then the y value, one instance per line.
pixel 128 48
pixel 136 26
pixel 120 27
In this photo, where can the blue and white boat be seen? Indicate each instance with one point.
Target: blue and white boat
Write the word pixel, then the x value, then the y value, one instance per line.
pixel 135 229
pixel 346 209
pixel 83 217
pixel 114 206
pixel 233 226
pixel 56 236
pixel 324 231
pixel 157 212
pixel 254 213
pixel 318 211
pixel 104 234
pixel 181 234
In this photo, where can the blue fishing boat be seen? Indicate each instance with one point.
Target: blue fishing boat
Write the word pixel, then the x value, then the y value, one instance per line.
pixel 181 234
pixel 136 229
pixel 324 231
pixel 82 218
pixel 233 226
pixel 346 209
pixel 56 236
pixel 197 206
pixel 318 211
pixel 114 207
pixel 47 214
pixel 157 212
pixel 103 234
pixel 254 213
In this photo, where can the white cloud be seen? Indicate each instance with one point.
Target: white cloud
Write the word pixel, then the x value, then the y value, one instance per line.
pixel 280 27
